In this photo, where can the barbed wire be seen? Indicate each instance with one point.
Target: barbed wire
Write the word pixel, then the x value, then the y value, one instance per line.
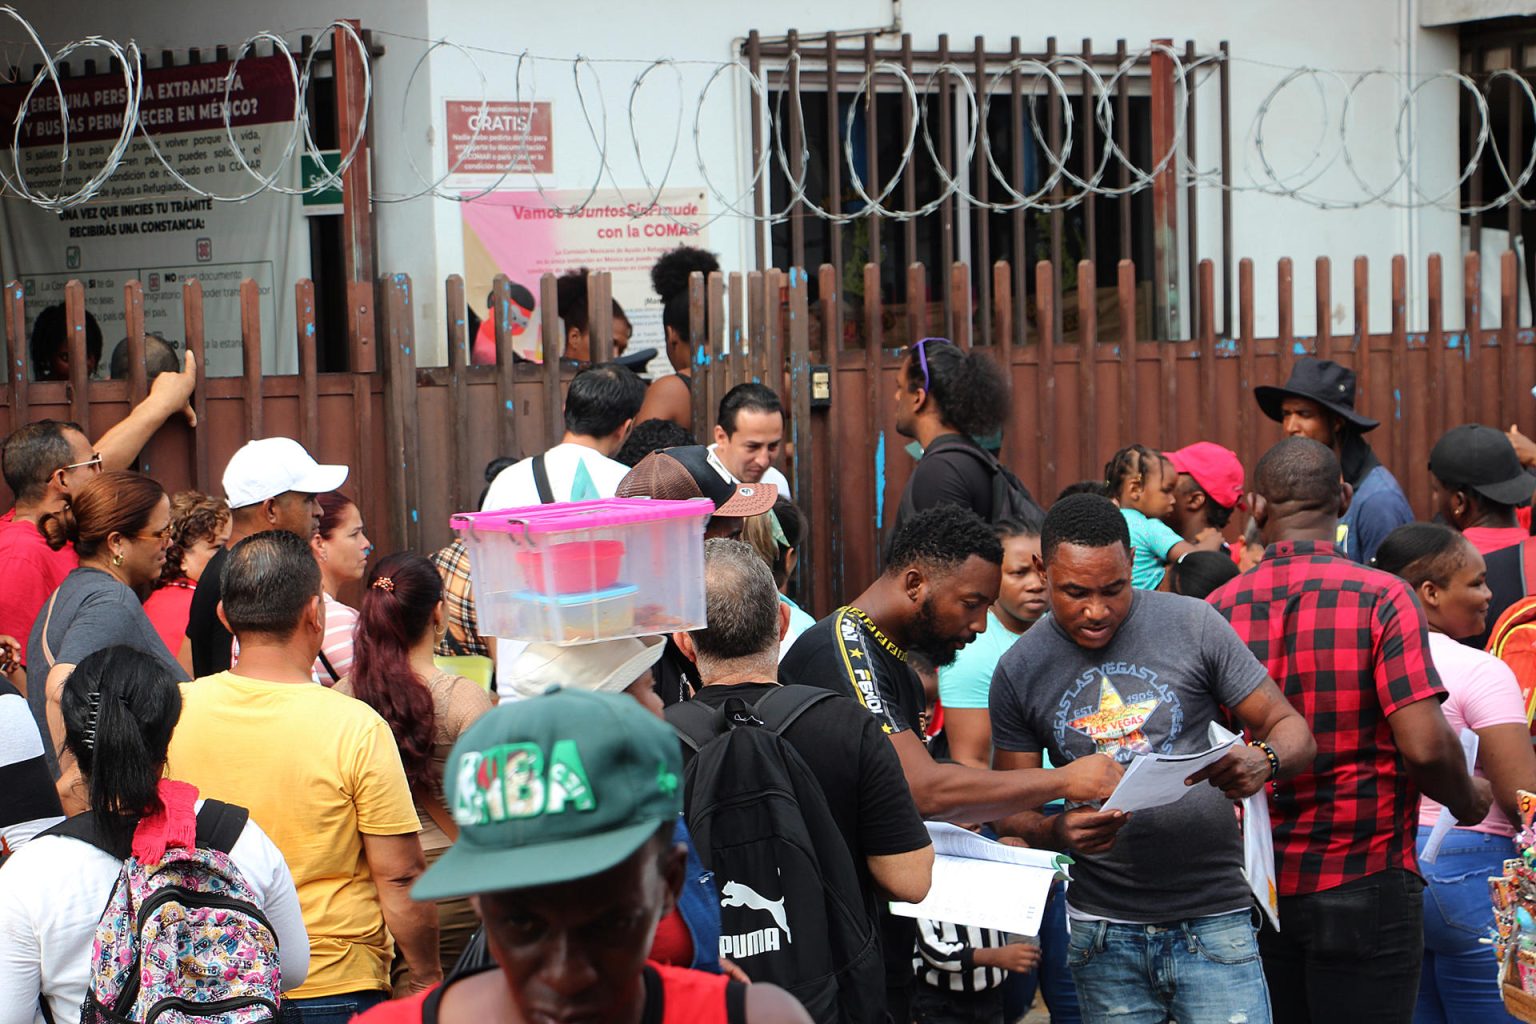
pixel 779 103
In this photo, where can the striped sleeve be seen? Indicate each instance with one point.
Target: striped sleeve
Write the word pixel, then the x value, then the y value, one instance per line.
pixel 946 956
pixel 28 802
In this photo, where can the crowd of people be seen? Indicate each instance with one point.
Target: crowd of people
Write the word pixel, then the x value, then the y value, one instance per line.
pixel 397 816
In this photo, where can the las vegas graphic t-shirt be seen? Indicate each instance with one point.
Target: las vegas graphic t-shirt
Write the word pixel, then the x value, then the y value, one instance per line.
pixel 1166 674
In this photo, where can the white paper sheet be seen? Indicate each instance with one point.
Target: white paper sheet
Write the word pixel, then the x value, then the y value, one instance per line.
pixel 1152 780
pixel 980 882
pixel 1446 821
pixel 1258 843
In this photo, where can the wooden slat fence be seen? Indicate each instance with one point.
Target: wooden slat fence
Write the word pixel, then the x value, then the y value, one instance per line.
pixel 417 438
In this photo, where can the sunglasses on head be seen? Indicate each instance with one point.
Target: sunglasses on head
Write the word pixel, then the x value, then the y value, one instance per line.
pixel 920 347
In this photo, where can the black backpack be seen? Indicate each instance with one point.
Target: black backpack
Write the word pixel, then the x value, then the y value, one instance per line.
pixel 792 910
pixel 1010 498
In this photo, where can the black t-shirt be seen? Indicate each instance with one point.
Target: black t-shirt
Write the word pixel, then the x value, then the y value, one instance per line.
pixel 946 475
pixel 1504 580
pixel 211 642
pixel 859 773
pixel 847 652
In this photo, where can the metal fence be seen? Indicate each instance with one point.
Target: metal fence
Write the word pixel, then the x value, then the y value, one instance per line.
pixel 417 438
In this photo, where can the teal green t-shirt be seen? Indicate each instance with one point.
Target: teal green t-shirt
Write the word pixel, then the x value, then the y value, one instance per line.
pixel 968 682
pixel 1151 540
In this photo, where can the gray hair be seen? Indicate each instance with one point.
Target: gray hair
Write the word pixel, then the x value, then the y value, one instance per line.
pixel 267 582
pixel 741 603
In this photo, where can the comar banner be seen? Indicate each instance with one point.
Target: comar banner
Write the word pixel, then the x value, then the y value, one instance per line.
pixel 526 235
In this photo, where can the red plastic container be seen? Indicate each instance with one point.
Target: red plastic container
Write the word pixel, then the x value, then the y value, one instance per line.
pixel 575 567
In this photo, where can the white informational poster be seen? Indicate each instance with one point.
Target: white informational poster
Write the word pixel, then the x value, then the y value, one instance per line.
pixel 523 235
pixel 144 225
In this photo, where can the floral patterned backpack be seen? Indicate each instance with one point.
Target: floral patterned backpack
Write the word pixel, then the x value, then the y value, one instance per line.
pixel 182 940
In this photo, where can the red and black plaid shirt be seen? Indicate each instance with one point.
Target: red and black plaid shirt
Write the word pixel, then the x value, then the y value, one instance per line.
pixel 1349 647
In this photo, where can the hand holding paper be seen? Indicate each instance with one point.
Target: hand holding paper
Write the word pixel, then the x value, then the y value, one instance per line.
pixel 1152 780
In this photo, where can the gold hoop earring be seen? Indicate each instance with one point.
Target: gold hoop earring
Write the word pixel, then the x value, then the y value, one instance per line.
pixel 117 560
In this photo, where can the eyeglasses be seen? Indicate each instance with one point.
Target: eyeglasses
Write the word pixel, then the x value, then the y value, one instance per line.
pixel 922 357
pixel 159 537
pixel 94 462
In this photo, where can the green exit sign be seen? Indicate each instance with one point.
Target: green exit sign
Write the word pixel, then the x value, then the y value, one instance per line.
pixel 326 200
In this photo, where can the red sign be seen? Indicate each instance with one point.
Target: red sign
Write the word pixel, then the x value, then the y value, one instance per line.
pixel 189 98
pixel 515 137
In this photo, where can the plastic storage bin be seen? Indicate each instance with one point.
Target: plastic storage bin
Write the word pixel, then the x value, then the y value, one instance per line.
pixel 584 571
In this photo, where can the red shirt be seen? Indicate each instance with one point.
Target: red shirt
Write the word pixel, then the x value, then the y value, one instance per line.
pixel 31 571
pixel 673 943
pixel 1488 539
pixel 1349 647
pixel 673 995
pixel 168 609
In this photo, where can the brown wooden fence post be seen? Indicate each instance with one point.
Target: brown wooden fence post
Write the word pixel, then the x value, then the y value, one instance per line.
pixel 1472 363
pixel 1362 340
pixel 1087 367
pixel 881 446
pixel 1247 419
pixel 506 366
pixel 1045 321
pixel 755 368
pixel 250 355
pixel 192 327
pixel 461 469
pixel 599 316
pixel 718 363
pixel 699 354
pixel 803 468
pixel 1286 344
pixel 554 348
pixel 960 304
pixel 79 369
pixel 1206 351
pixel 1125 292
pixel 16 345
pixel 133 331
pixel 309 370
pixel 402 423
pixel 773 353
pixel 1434 377
pixel 1399 361
pixel 827 516
pixel 1509 327
pixel 1324 307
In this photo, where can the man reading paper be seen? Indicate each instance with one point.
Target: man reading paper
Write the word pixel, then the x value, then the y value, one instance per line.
pixel 1160 913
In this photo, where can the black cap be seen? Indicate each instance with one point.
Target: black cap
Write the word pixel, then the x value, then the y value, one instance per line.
pixel 1319 380
pixel 1481 459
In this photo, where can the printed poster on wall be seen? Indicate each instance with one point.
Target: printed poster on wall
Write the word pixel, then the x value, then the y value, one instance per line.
pixel 146 226
pixel 521 234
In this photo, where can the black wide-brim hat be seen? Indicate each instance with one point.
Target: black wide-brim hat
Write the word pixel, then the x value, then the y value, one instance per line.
pixel 1318 380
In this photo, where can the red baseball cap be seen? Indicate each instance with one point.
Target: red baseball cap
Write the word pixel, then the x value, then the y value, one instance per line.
pixel 1217 470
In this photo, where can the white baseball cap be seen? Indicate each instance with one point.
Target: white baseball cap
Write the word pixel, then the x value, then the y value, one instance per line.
pixel 275 465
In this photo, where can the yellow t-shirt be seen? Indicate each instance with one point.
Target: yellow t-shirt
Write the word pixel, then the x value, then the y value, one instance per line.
pixel 316 768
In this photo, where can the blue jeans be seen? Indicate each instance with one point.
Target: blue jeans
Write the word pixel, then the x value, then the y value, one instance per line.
pixel 1204 970
pixel 1052 977
pixel 330 1009
pixel 1459 983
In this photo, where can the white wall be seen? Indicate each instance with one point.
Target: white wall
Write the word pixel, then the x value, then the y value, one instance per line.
pixel 424 238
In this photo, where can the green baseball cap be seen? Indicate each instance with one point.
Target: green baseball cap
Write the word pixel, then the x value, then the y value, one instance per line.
pixel 552 789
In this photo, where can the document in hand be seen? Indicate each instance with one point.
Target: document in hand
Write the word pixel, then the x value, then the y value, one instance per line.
pixel 1258 843
pixel 980 882
pixel 1447 821
pixel 1151 780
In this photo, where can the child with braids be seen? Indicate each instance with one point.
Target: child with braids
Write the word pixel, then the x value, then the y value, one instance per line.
pixel 1141 482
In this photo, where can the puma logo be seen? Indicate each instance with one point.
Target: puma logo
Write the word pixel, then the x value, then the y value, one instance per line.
pixel 738 895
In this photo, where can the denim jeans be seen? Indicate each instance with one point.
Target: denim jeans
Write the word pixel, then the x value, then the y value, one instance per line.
pixel 1052 978
pixel 1460 980
pixel 329 1009
pixel 1348 955
pixel 1201 971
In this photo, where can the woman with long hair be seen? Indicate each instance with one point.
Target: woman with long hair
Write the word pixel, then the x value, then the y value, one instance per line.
pixel 401 618
pixel 1459 979
pixel 200 526
pixel 119 707
pixel 342 548
pixel 119 524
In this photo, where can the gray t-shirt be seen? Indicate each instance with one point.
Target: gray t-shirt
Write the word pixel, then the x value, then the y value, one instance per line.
pixel 90 612
pixel 1171 667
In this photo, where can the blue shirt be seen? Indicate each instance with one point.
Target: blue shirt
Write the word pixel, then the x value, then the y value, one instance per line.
pixel 968 682
pixel 1151 540
pixel 1378 508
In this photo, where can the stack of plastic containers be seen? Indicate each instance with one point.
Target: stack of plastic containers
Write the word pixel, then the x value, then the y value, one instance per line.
pixel 583 571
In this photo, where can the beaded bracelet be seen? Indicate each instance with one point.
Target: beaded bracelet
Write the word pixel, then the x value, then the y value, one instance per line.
pixel 1269 752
